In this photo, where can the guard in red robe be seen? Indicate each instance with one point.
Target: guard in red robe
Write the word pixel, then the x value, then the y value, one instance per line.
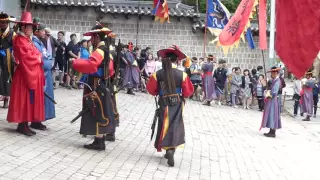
pixel 27 90
pixel 102 115
pixel 171 85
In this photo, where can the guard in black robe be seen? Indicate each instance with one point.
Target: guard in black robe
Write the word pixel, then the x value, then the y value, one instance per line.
pixel 172 86
pixel 99 102
pixel 6 58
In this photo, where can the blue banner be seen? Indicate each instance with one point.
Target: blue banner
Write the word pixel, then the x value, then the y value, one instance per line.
pixel 250 38
pixel 218 15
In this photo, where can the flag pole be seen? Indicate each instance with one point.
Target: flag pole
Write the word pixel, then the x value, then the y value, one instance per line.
pixel 272 32
pixel 205 32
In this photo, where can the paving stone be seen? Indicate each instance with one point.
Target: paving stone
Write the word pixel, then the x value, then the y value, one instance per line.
pixel 221 143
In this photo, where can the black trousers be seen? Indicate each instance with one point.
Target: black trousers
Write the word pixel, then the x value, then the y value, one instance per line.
pixel 296 105
pixel 260 102
pixel 315 103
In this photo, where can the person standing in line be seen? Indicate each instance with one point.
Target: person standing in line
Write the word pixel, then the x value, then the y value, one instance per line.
pixel 84 54
pixel 246 89
pixel 72 52
pixel 6 59
pixel 296 97
pixel 60 57
pixel 260 88
pixel 220 76
pixel 208 81
pixel 271 115
pixel 28 82
pixel 172 86
pixel 39 33
pixel 195 77
pixel 315 92
pixel 306 100
pixel 235 88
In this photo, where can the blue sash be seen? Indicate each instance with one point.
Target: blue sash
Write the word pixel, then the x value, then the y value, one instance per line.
pixel 178 91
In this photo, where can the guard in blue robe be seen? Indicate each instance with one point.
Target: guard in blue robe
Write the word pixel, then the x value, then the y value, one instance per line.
pixel 271 116
pixel 47 66
pixel 306 100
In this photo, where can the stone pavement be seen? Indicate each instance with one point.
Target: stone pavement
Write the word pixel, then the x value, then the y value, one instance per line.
pixel 222 143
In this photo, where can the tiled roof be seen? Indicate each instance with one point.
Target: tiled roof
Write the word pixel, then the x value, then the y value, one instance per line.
pixel 145 7
pixel 93 3
pixel 124 6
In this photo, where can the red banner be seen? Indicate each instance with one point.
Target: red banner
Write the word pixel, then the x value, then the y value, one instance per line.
pixel 263 25
pixel 234 29
pixel 162 10
pixel 298 33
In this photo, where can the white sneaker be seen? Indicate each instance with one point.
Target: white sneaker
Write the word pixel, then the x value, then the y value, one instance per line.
pixel 235 106
pixel 219 103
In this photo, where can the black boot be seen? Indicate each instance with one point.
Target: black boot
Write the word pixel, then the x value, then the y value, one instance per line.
pixel 24 129
pixel 130 92
pixel 30 130
pixel 306 119
pixel 170 156
pixel 38 125
pixel 98 144
pixel 5 103
pixel 272 133
pixel 110 137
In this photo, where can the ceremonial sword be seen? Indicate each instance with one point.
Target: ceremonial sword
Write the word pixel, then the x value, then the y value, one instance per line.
pixel 81 113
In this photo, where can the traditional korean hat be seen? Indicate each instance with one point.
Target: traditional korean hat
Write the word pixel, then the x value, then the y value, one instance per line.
pixel 98 29
pixel 274 69
pixel 172 50
pixel 26 18
pixel 194 59
pixel 5 17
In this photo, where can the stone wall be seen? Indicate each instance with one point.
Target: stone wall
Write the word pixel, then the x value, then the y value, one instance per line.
pixel 150 34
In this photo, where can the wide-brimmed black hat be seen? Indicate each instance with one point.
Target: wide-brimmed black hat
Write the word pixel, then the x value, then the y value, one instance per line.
pixel 98 29
pixel 275 69
pixel 174 50
pixel 6 18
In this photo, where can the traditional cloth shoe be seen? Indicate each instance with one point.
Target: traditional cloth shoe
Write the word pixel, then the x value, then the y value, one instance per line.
pixel 110 137
pixel 38 125
pixel 98 144
pixel 169 155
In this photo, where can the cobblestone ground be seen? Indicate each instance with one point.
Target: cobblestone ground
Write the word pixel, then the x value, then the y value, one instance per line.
pixel 222 143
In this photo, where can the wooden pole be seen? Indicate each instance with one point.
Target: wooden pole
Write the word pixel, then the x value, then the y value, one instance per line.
pixel 138 22
pixel 205 32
